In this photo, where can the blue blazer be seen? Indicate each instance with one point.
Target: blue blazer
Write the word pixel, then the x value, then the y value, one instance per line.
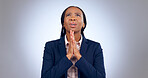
pixel 56 64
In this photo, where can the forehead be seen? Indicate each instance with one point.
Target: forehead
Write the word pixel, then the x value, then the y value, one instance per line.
pixel 73 9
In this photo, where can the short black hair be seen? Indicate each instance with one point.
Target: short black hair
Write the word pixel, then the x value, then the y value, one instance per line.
pixel 63 31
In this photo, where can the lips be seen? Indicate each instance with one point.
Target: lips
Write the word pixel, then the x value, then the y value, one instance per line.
pixel 72 25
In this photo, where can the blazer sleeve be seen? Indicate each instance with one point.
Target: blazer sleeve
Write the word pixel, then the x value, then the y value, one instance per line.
pixel 96 70
pixel 49 70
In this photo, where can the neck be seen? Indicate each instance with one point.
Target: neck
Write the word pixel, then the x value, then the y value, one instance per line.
pixel 77 36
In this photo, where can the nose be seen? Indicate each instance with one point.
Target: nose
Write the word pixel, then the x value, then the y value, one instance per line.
pixel 72 19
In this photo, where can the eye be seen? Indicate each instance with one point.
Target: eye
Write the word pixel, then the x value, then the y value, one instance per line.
pixel 68 14
pixel 78 15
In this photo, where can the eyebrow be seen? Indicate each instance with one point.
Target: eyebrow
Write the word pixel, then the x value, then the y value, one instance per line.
pixel 75 13
pixel 78 13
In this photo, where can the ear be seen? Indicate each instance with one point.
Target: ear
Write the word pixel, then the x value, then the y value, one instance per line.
pixel 83 25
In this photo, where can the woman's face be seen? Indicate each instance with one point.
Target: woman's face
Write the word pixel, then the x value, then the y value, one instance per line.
pixel 73 19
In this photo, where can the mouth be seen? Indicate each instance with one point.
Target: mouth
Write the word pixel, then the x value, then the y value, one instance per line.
pixel 72 25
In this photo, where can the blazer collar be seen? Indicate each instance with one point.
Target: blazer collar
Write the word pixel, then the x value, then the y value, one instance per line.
pixel 84 45
pixel 62 47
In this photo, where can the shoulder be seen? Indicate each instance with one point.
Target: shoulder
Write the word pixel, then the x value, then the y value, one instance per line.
pixel 93 43
pixel 52 42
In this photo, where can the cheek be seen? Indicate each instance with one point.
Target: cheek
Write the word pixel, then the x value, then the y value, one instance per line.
pixel 80 22
pixel 65 22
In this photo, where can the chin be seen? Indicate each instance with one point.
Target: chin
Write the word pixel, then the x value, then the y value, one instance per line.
pixel 72 29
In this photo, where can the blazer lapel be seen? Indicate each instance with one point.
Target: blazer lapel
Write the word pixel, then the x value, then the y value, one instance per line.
pixel 83 46
pixel 62 48
pixel 83 49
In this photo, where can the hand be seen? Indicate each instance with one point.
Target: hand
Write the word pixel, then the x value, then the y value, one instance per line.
pixel 70 49
pixel 75 49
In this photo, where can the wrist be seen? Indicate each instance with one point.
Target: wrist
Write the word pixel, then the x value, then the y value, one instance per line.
pixel 78 57
pixel 69 56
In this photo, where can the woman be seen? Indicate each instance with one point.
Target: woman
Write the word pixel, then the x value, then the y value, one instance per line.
pixel 73 56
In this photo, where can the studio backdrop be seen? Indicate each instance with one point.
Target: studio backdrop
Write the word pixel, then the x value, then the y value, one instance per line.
pixel 120 26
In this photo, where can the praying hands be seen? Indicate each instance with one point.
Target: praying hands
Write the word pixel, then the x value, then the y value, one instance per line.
pixel 73 50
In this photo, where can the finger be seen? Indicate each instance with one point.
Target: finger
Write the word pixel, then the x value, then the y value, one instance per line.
pixel 70 35
pixel 73 35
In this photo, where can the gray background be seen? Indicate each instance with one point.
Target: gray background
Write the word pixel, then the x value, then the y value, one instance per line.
pixel 121 26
